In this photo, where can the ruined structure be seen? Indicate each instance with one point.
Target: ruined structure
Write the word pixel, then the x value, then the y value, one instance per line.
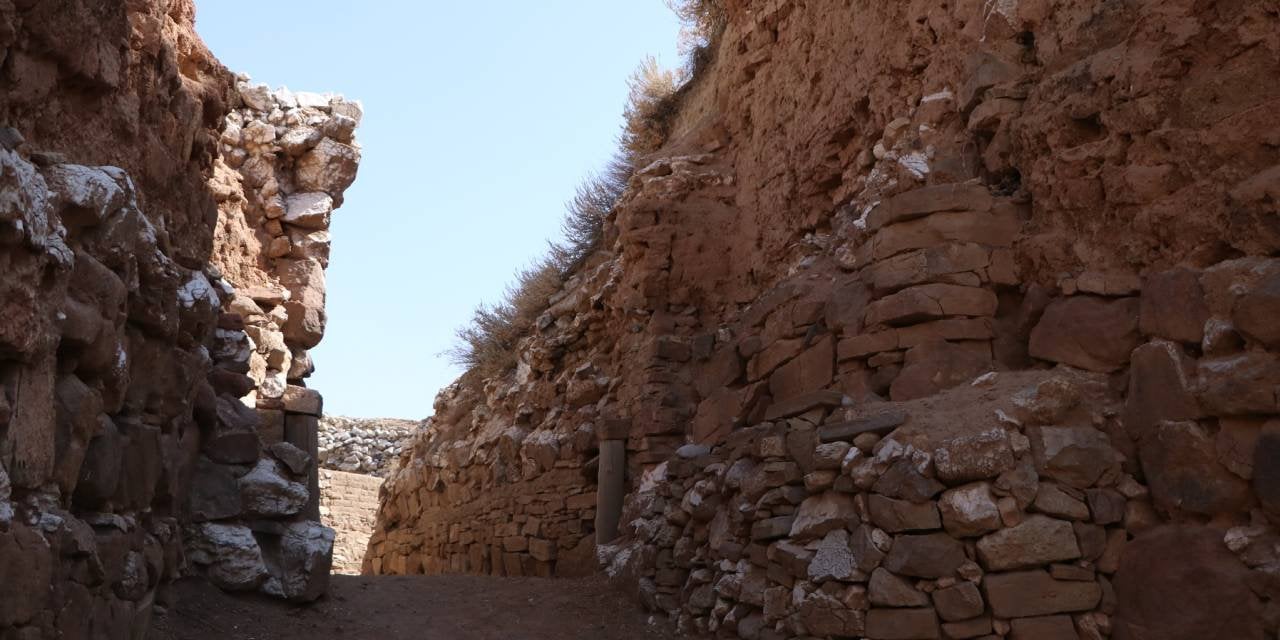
pixel 162 244
pixel 928 320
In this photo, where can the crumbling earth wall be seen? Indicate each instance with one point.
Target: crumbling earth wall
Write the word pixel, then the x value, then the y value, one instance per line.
pixel 127 456
pixel 349 506
pixel 862 211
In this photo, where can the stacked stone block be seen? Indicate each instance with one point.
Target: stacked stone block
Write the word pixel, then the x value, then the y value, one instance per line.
pixel 349 506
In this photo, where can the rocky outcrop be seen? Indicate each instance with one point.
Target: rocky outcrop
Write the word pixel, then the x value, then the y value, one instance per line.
pixel 910 198
pixel 368 446
pixel 127 455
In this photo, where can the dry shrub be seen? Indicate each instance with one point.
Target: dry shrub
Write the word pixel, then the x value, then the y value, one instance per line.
pixel 650 107
pixel 487 345
pixel 703 21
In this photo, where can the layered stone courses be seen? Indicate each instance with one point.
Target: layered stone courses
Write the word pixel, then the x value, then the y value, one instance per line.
pixel 131 373
pixel 970 369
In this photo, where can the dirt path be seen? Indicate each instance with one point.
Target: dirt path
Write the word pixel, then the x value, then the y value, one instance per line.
pixel 417 608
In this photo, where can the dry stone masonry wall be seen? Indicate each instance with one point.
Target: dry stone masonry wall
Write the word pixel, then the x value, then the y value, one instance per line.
pixel 990 356
pixel 363 445
pixel 349 506
pixel 128 455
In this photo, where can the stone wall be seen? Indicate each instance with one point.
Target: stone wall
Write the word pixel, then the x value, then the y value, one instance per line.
pixel 364 445
pixel 349 506
pixel 1072 196
pixel 127 456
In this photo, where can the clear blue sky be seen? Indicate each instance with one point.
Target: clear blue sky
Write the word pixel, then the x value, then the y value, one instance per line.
pixel 480 120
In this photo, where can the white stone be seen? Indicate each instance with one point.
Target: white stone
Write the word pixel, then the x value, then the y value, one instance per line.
pixel 231 555
pixel 309 210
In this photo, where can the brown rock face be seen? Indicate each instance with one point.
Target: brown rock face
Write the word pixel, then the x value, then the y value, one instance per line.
pixel 1087 332
pixel 1170 576
pixel 980 256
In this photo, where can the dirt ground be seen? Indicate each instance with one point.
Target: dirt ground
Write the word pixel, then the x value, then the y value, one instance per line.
pixel 417 608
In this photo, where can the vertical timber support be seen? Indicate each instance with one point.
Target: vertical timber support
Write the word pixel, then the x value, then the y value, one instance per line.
pixel 611 477
pixel 303 408
pixel 610 489
pixel 302 431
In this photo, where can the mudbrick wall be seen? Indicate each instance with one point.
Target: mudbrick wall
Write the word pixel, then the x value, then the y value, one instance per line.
pixel 929 320
pixel 349 506
pixel 132 450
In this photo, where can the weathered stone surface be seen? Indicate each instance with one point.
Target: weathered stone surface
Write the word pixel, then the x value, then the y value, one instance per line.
pixel 934 366
pixel 896 516
pixel 824 615
pixel 933 264
pixel 265 492
pixel 935 555
pixel 24 554
pixel 904 480
pixel 977 456
pixel 309 210
pixel 1256 311
pixel 888 590
pixel 1075 456
pixel 1171 576
pixel 997 229
pixel 834 559
pixel 1173 306
pixel 1095 334
pixel 821 514
pixel 1160 388
pixel 918 203
pixel 960 602
pixel 229 554
pixel 902 624
pixel 1266 473
pixel 299 566
pixel 1043 628
pixel 330 167
pixel 1036 540
pixel 214 493
pixel 808 372
pixel 879 423
pixel 1052 500
pixel 969 510
pixel 1025 594
pixel 1239 385
pixel 931 301
pixel 1184 474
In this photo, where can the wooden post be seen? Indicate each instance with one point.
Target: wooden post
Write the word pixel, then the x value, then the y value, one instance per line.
pixel 610 489
pixel 303 432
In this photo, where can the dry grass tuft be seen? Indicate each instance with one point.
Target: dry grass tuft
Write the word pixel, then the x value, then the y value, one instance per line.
pixel 487 345
pixel 650 107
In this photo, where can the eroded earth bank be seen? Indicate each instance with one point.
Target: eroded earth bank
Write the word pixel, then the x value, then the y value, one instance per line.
pixel 911 320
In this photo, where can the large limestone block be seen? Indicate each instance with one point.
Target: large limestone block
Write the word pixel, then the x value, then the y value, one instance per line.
pixel 1092 333
pixel 936 366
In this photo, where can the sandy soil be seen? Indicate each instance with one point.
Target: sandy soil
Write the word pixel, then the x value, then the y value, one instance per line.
pixel 418 608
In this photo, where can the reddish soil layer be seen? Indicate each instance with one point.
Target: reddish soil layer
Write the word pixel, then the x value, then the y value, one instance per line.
pixel 414 607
